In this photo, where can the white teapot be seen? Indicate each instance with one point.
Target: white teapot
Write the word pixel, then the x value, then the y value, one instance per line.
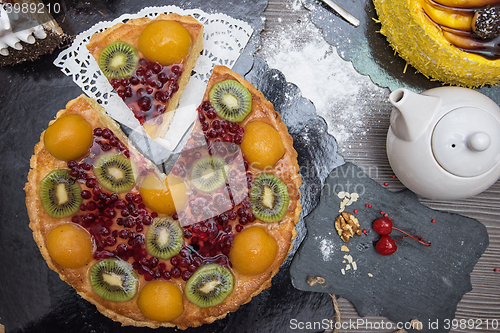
pixel 445 142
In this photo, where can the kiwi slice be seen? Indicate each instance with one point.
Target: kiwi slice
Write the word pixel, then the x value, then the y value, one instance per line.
pixel 208 174
pixel 269 198
pixel 114 172
pixel 231 100
pixel 209 285
pixel 114 280
pixel 118 60
pixel 164 238
pixel 60 194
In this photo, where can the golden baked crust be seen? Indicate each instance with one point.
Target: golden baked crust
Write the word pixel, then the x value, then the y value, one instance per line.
pixel 245 287
pixel 130 31
pixel 420 42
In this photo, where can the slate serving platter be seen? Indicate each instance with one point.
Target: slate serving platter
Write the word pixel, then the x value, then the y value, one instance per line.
pixel 369 50
pixel 32 297
pixel 416 282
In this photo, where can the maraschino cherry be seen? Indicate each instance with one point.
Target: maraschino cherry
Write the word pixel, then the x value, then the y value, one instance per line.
pixel 386 245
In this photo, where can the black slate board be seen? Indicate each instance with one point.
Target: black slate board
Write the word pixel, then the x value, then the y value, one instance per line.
pixel 416 282
pixel 369 50
pixel 32 298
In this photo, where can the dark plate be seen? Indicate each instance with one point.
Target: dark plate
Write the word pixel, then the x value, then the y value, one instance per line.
pixel 32 297
pixel 417 281
pixel 369 50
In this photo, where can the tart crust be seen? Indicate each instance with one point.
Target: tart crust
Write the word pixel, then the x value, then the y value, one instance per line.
pixel 245 287
pixel 129 32
pixel 420 42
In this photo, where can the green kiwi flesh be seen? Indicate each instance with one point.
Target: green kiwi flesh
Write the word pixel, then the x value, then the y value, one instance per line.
pixel 208 174
pixel 164 238
pixel 231 100
pixel 269 198
pixel 114 172
pixel 209 285
pixel 60 194
pixel 114 280
pixel 118 60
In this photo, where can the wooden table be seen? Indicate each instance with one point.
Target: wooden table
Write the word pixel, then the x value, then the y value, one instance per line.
pixel 366 148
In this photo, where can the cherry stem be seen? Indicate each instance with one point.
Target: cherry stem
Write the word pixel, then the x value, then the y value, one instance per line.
pixel 417 238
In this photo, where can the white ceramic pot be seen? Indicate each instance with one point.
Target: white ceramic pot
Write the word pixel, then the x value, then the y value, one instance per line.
pixel 445 142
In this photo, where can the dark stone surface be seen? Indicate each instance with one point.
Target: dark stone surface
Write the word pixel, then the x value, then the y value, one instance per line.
pixel 32 297
pixel 416 281
pixel 369 50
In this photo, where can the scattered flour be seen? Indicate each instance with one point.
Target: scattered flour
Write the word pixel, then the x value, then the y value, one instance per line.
pixel 300 52
pixel 326 247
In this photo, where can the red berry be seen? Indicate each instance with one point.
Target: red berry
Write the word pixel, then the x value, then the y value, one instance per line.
pixel 382 226
pixel 386 246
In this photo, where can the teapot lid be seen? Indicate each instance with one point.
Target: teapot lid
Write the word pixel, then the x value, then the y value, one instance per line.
pixel 466 142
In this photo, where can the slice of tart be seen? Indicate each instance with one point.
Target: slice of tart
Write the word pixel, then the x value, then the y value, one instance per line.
pixel 453 41
pixel 149 62
pixel 183 249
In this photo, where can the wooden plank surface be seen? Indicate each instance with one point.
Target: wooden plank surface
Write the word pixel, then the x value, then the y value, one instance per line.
pixel 366 148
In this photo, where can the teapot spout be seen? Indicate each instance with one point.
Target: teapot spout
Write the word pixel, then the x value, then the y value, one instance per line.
pixel 412 113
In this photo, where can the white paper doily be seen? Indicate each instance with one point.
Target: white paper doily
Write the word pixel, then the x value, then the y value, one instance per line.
pixel 224 40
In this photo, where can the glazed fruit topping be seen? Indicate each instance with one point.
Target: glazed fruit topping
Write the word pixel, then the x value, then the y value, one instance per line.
pixel 149 89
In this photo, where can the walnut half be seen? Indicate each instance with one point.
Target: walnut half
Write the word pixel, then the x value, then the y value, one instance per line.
pixel 347 226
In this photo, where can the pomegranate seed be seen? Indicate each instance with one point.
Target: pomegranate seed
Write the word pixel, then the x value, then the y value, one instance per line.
pixel 86 194
pixel 211 114
pixel 206 105
pixel 233 127
pixel 106 133
pixel 176 70
pixel 166 275
pixel 148 276
pixel 205 126
pixel 147 220
pixel 156 68
pixel 162 77
pixel 91 205
pixel 174 261
pixel 91 182
pixel 129 197
pixel 239 228
pixel 201 117
pixel 175 272
pixel 83 207
pixel 186 275
pixel 216 124
pixel 238 139
pixel 228 138
pixel 143 62
pixel 212 133
pixel 137 199
pixel 144 103
pixel 115 83
pixel 134 80
pixel 98 131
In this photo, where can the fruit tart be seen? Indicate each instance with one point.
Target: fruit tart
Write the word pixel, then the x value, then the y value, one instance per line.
pixel 149 62
pixel 453 41
pixel 184 249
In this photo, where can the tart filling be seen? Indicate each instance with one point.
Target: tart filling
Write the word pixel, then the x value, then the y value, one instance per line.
pixel 177 250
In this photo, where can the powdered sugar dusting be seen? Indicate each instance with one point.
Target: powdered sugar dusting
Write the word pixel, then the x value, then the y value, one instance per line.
pixel 338 92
